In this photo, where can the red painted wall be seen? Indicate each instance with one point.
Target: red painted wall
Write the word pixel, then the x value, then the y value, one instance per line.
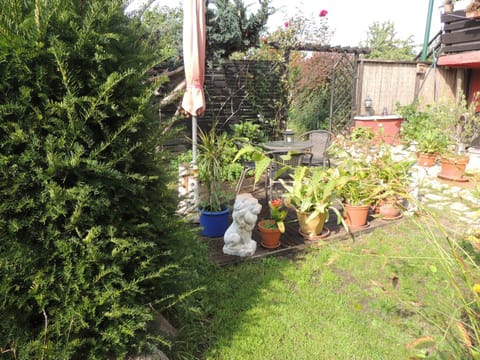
pixel 474 86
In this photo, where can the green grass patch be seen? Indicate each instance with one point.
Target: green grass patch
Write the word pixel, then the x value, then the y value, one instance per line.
pixel 363 299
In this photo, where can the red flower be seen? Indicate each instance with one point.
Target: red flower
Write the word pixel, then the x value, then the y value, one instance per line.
pixel 323 13
pixel 276 203
pixel 286 23
pixel 264 40
pixel 277 214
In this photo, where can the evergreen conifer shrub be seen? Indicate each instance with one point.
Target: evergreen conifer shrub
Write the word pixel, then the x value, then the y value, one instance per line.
pixel 86 226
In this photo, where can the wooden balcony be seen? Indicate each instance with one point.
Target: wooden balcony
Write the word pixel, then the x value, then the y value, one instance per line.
pixel 460 33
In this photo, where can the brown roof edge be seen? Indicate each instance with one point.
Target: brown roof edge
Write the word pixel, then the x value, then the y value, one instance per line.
pixel 470 59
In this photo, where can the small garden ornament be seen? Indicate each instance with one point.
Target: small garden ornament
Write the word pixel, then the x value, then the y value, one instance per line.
pixel 238 237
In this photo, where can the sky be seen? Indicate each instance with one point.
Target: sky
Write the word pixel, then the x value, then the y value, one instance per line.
pixel 350 19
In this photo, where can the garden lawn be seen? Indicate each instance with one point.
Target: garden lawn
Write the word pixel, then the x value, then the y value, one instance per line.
pixel 368 298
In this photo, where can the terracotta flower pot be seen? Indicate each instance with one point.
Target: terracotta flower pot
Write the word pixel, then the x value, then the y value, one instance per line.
pixel 356 215
pixel 389 211
pixel 312 228
pixel 426 159
pixel 453 168
pixel 473 14
pixel 448 7
pixel 270 235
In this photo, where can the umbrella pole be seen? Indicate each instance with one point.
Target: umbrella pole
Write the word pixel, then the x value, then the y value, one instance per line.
pixel 194 167
pixel 194 139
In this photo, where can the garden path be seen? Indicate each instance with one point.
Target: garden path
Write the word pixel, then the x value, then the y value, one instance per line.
pixel 453 198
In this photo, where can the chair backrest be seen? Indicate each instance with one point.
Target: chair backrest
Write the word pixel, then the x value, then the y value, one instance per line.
pixel 321 140
pixel 280 158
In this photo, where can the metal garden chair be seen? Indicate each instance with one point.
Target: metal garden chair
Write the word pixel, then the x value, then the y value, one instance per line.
pixel 321 140
pixel 280 167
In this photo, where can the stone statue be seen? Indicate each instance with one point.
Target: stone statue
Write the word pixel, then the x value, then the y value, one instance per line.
pixel 238 237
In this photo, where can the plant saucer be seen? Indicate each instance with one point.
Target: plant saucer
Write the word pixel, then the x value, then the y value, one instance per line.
pixel 361 227
pixel 270 247
pixel 325 233
pixel 460 179
pixel 392 218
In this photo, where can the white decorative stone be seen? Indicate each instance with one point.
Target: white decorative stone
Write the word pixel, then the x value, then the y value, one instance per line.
pixel 188 192
pixel 456 206
pixel 435 197
pixel 474 162
pixel 238 237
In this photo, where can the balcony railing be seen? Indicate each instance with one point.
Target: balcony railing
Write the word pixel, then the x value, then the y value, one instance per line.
pixel 460 33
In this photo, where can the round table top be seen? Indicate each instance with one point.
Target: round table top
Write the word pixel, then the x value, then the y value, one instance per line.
pixel 287 146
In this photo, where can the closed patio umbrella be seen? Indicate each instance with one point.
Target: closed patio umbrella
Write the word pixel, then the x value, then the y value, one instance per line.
pixel 194 39
pixel 193 103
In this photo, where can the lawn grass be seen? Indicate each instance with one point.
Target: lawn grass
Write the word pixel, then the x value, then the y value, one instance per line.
pixel 368 298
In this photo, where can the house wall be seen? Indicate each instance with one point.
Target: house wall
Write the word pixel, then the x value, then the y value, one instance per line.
pixel 392 82
pixel 474 86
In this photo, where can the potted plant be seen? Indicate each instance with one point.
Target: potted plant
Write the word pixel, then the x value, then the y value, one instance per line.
pixel 420 132
pixel 312 194
pixel 358 193
pixel 271 229
pixel 458 121
pixel 214 212
pixel 356 152
pixel 448 5
pixel 431 142
pixel 311 191
pixel 393 176
pixel 473 9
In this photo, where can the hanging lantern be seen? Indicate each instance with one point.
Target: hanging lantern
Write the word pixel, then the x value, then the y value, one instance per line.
pixel 368 105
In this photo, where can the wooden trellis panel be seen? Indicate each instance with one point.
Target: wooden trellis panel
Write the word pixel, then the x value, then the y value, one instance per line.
pixel 237 91
pixel 342 92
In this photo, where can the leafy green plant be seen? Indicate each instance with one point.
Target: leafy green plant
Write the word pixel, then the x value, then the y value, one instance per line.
pixel 445 127
pixel 362 135
pixel 277 214
pixel 422 129
pixel 457 119
pixel 314 190
pixel 361 187
pixel 248 130
pixel 211 164
pixel 393 175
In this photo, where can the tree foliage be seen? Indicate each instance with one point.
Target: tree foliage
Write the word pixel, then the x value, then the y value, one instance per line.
pixel 87 232
pixel 384 44
pixel 310 80
pixel 231 29
pixel 165 25
pixel 307 81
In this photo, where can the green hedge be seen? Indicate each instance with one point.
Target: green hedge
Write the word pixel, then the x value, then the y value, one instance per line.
pixel 87 236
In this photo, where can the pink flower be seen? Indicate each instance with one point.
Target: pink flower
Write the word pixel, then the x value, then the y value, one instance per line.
pixel 286 23
pixel 323 13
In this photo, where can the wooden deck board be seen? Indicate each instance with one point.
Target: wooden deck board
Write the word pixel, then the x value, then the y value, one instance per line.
pixel 291 241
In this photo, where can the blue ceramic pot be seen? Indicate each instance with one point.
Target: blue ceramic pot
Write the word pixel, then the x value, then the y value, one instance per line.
pixel 214 223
